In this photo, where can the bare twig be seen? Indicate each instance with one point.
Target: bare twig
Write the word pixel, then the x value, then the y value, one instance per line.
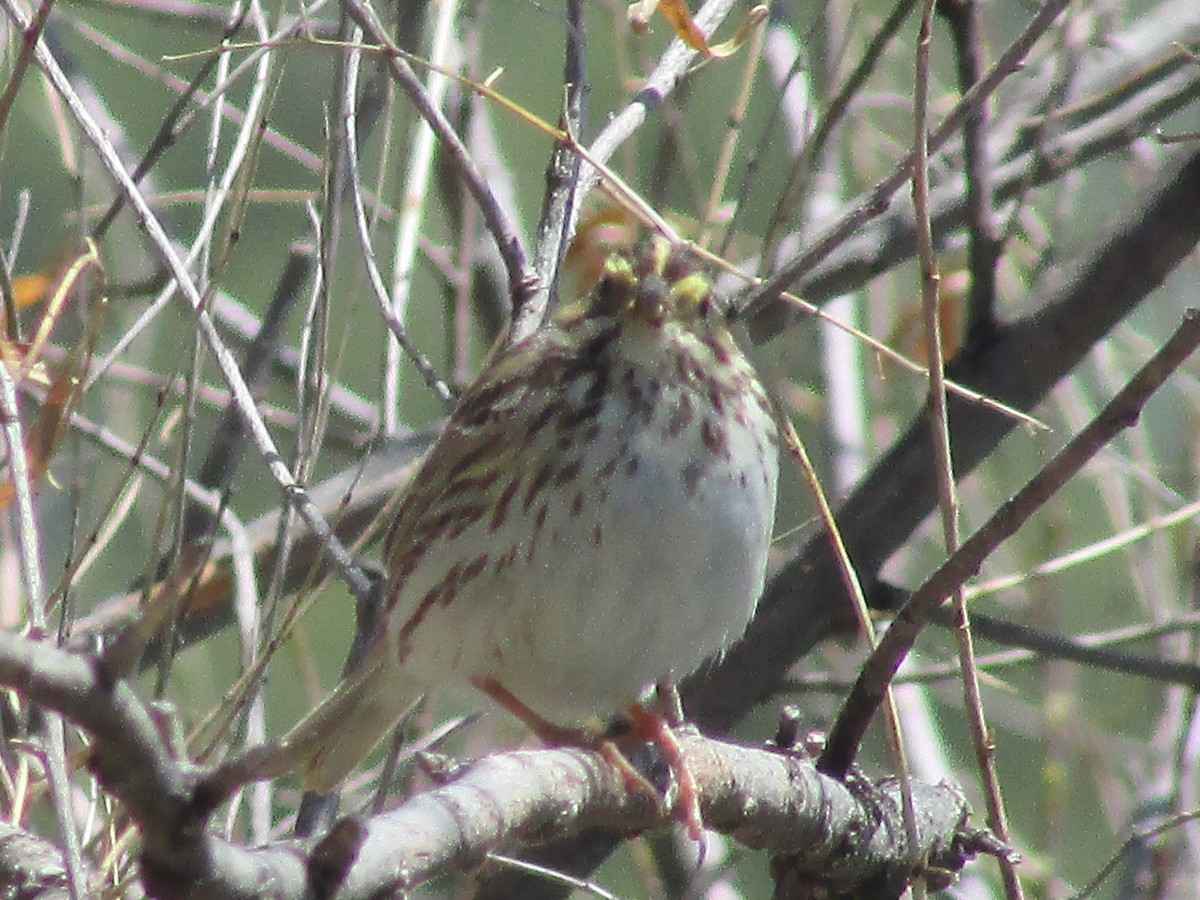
pixel 522 279
pixel 389 308
pixel 984 249
pixel 415 198
pixel 563 194
pixel 31 33
pixel 1121 412
pixel 879 197
pixel 187 288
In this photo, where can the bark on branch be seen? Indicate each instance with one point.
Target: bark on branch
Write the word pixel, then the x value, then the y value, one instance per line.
pixel 845 835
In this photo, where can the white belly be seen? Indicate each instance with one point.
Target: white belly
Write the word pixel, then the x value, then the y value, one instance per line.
pixel 648 572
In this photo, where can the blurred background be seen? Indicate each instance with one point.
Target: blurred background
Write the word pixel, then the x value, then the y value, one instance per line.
pixel 239 110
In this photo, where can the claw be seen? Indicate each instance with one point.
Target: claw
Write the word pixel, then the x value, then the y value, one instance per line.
pixel 649 727
pixel 654 729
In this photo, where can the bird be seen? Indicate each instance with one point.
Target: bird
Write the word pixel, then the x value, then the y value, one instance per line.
pixel 593 520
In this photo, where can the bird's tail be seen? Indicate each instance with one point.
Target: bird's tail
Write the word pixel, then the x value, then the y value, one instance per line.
pixel 327 744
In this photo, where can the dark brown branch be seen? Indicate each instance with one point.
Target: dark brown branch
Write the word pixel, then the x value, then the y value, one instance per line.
pixel 804 602
pixel 983 248
pixel 1121 412
pixel 1093 130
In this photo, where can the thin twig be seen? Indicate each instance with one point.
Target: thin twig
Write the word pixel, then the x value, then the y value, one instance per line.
pixel 983 247
pixel 29 552
pixel 1121 412
pixel 942 462
pixel 935 399
pixel 387 307
pixel 522 279
pixel 563 188
pixel 415 198
pixel 265 444
pixel 877 200
pixel 733 131
pixel 31 33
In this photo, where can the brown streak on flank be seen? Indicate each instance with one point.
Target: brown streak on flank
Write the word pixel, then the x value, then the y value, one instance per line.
pixel 568 473
pixel 411 558
pixel 691 477
pixel 533 543
pixel 479 407
pixel 483 451
pixel 475 567
pixel 714 439
pixel 577 504
pixel 640 405
pixel 717 398
pixel 476 484
pixel 682 369
pixel 590 360
pixel 447 590
pixel 598 534
pixel 545 372
pixel 541 420
pixel 606 471
pixel 647 412
pixel 414 621
pixel 505 562
pixel 539 521
pixel 681 416
pixel 720 348
pixel 467 516
pixel 541 478
pixel 431 529
pixel 501 512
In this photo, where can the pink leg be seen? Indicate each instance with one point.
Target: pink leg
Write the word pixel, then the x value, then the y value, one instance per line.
pixel 654 729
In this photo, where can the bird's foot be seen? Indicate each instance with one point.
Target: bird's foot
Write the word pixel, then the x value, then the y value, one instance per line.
pixel 648 727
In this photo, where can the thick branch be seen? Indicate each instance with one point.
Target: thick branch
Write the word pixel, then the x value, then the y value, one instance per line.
pixel 841 837
pixel 764 798
pixel 30 868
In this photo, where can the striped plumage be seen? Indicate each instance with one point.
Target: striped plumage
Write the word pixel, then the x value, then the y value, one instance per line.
pixel 594 517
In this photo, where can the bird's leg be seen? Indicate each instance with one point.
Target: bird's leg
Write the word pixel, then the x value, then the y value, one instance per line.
pixel 667 702
pixel 655 728
pixel 650 727
pixel 557 736
pixel 546 731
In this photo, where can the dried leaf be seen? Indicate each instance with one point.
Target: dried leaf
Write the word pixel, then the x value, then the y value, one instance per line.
pixel 677 13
